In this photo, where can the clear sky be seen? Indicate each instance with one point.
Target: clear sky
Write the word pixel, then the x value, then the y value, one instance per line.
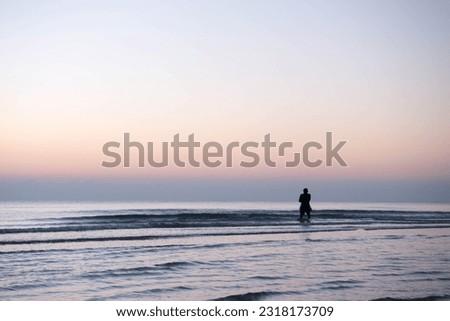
pixel 77 74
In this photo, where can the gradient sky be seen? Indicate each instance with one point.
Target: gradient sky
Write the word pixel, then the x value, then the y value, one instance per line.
pixel 77 74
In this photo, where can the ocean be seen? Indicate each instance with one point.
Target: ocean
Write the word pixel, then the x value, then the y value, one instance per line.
pixel 224 251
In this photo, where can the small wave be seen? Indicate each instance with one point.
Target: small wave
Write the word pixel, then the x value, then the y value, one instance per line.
pixel 197 218
pixel 137 271
pixel 415 280
pixel 83 239
pixel 394 237
pixel 172 265
pixel 245 213
pixel 317 241
pixel 141 295
pixel 250 296
pixel 343 282
pixel 183 215
pixel 432 272
pixel 265 277
pixel 140 270
pixel 340 285
pixel 426 298
pixel 237 233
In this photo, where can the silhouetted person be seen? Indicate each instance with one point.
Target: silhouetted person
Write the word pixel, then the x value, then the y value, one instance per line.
pixel 304 200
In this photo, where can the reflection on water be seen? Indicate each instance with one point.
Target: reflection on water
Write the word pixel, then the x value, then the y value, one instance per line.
pixel 134 251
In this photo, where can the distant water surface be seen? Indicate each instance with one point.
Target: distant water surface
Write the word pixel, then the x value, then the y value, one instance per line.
pixel 224 251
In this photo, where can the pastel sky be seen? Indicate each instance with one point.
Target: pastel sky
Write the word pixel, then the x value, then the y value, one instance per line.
pixel 77 74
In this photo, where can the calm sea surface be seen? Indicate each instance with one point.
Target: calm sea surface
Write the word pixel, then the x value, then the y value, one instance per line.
pixel 230 251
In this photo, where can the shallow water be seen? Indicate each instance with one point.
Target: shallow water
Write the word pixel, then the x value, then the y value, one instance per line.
pixel 232 251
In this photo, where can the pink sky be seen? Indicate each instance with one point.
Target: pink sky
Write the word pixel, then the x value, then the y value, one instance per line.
pixel 75 77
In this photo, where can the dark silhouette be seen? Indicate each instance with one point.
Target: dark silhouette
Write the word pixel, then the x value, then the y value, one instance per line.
pixel 305 207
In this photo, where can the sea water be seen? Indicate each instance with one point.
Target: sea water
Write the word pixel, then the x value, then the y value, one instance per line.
pixel 224 251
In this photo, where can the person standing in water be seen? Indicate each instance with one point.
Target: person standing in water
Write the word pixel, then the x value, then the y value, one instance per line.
pixel 304 200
